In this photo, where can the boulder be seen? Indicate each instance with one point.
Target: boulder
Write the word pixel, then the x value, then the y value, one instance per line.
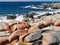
pixel 33 29
pixel 51 38
pixel 4 41
pixel 14 28
pixel 23 25
pixel 47 23
pixel 10 23
pixel 57 24
pixel 16 34
pixel 40 24
pixel 21 38
pixel 33 37
pixel 14 42
pixel 4 26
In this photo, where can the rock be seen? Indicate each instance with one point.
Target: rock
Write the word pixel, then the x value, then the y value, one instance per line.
pixel 21 38
pixel 51 38
pixel 33 29
pixel 10 23
pixel 40 24
pixel 14 28
pixel 4 26
pixel 57 24
pixel 23 25
pixel 4 41
pixel 47 23
pixel 18 26
pixel 33 37
pixel 14 42
pixel 11 17
pixel 39 42
pixel 56 28
pixel 16 34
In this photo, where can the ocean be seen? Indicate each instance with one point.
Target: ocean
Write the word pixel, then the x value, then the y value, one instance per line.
pixel 19 7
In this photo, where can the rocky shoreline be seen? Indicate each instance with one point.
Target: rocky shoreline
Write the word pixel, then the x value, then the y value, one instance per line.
pixel 43 30
pixel 32 29
pixel 52 6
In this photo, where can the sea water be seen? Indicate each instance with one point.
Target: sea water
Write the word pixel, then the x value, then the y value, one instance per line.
pixel 19 7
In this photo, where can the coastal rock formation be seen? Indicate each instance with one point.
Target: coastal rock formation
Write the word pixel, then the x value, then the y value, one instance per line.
pixel 46 6
pixel 35 31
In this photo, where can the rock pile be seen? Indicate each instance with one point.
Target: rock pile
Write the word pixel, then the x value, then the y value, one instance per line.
pixel 45 31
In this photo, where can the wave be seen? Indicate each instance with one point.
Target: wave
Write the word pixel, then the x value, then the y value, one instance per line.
pixel 34 7
pixel 20 18
pixel 49 8
pixel 27 6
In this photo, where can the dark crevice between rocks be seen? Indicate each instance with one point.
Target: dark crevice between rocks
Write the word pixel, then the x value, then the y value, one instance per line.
pixel 42 31
pixel 25 36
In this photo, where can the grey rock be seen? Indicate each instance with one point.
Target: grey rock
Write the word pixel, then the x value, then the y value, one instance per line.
pixel 34 36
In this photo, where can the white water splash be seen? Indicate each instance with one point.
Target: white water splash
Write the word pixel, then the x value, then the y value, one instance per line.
pixel 20 18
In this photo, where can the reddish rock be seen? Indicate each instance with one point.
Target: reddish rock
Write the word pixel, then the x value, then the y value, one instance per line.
pixel 21 38
pixel 57 24
pixel 14 42
pixel 39 23
pixel 14 28
pixel 16 34
pixel 33 29
pixel 23 25
pixel 4 26
pixel 47 23
pixel 4 41
pixel 51 38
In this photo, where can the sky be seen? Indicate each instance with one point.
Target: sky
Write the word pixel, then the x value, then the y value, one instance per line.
pixel 29 0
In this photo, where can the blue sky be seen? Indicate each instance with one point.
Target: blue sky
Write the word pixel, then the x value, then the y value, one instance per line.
pixel 29 0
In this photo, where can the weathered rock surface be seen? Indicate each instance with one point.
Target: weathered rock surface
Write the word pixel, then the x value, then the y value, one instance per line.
pixel 33 36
